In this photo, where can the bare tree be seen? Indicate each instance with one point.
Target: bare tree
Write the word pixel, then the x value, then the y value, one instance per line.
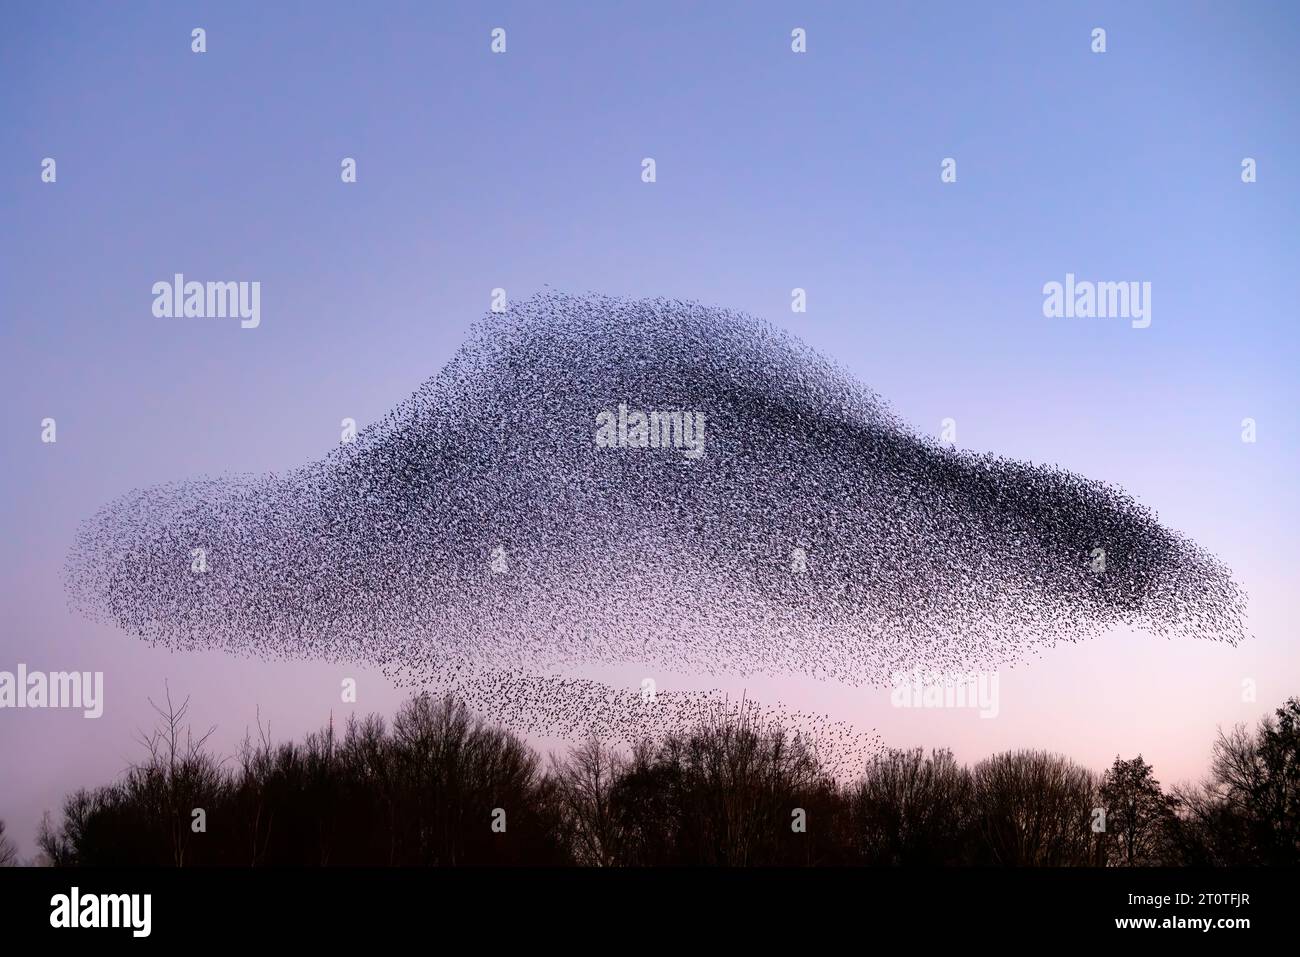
pixel 723 793
pixel 912 809
pixel 177 777
pixel 1248 810
pixel 256 761
pixel 1139 816
pixel 8 850
pixel 737 789
pixel 1035 809
pixel 585 785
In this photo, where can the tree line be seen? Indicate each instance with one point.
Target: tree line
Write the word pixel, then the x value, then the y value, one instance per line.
pixel 439 787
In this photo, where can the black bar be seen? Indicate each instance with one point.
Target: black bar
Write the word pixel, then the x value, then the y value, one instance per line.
pixel 677 906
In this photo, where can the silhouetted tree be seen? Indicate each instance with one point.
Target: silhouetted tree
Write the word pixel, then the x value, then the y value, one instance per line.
pixel 1274 786
pixel 1139 816
pixel 1034 809
pixel 86 824
pixel 731 791
pixel 912 809
pixel 8 850
pixel 423 793
pixel 177 777
pixel 1248 811
pixel 584 784
pixel 734 790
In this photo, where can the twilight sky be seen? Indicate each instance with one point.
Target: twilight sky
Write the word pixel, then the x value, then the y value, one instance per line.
pixel 774 170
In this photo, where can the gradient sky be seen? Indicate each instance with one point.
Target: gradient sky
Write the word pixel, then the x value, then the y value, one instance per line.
pixel 775 170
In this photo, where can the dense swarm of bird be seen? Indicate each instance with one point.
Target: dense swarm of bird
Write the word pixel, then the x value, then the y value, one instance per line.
pixel 479 538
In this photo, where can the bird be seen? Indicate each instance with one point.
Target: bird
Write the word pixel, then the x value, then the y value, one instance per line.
pixel 595 481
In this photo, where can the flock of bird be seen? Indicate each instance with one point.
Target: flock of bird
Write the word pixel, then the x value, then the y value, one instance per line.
pixel 479 539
